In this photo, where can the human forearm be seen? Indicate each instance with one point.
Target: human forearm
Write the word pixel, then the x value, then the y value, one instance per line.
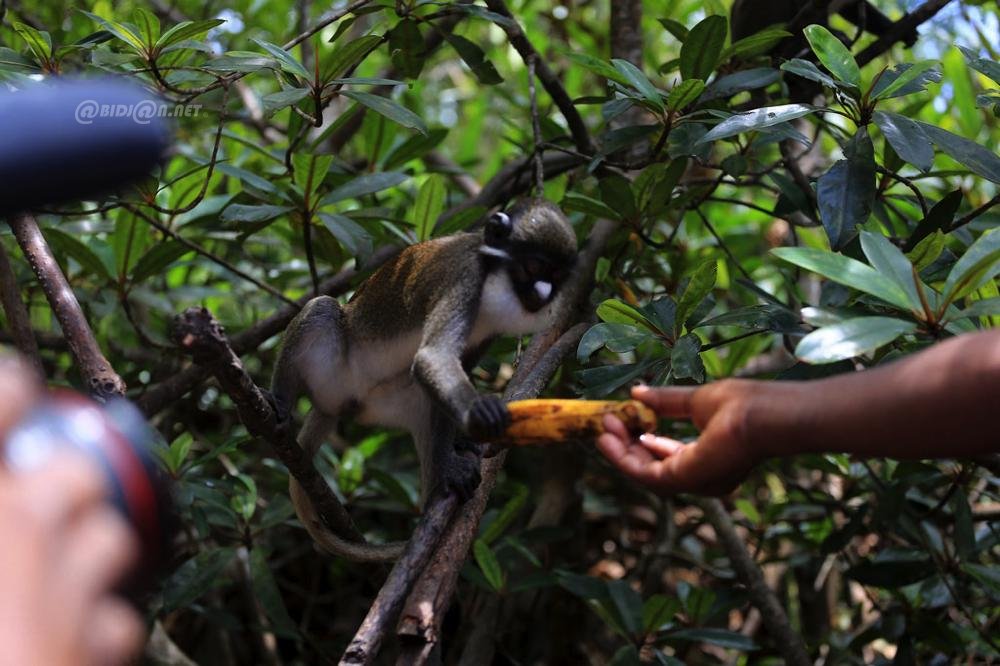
pixel 943 402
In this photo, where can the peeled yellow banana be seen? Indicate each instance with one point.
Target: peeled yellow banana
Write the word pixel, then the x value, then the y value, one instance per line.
pixel 539 422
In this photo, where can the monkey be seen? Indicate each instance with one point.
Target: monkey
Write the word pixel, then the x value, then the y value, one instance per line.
pixel 396 354
pixel 751 16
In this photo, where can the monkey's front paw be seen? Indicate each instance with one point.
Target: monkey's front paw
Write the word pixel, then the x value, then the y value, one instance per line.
pixel 488 417
pixel 461 476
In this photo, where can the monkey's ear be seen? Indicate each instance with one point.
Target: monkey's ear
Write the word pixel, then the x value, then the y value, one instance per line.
pixel 498 228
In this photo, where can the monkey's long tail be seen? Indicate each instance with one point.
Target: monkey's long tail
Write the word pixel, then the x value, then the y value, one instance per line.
pixel 313 433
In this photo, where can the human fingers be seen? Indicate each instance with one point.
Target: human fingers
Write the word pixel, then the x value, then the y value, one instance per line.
pixel 661 447
pixel 99 549
pixel 669 401
pixel 115 633
pixel 65 488
pixel 19 390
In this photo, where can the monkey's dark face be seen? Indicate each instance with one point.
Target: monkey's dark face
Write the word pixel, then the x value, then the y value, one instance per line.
pixel 536 245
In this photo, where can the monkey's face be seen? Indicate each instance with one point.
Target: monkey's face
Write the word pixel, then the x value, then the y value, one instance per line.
pixel 536 245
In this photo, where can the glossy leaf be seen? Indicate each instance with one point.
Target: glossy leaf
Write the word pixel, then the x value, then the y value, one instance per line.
pixel 846 192
pixel 834 55
pixel 636 79
pixel 476 59
pixel 890 261
pixel 703 47
pixel 286 60
pixel 685 361
pixel 907 138
pixel 488 563
pixel 429 205
pixel 364 185
pixel 851 338
pixel 757 119
pixel 980 263
pixel 389 109
pixel 846 271
pixel 979 160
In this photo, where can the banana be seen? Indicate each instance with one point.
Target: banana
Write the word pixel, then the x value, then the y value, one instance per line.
pixel 549 421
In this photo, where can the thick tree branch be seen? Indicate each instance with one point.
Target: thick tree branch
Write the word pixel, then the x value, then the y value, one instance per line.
pixel 900 29
pixel 198 333
pixel 552 84
pixel 102 381
pixel 17 315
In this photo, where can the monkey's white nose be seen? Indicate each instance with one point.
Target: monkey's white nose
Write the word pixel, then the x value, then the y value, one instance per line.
pixel 543 289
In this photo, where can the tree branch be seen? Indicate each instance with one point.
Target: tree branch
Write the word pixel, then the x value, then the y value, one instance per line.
pixel 102 381
pixel 17 315
pixel 552 84
pixel 900 29
pixel 198 333
pixel 788 642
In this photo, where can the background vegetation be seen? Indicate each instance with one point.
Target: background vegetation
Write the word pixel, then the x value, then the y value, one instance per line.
pixel 312 144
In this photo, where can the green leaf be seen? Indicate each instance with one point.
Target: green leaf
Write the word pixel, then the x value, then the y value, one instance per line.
pixel 989 307
pixel 846 271
pixel 851 338
pixel 597 66
pixel 487 561
pixel 756 44
pixel 657 611
pixel 476 59
pixel 616 312
pixel 726 86
pixel 286 60
pixel 627 604
pixel 364 185
pixel 508 513
pixel 148 24
pixel 259 213
pixel 414 147
pixel 907 138
pixel 698 287
pixel 685 360
pixel 984 66
pixel 685 93
pixel 310 170
pixel 185 30
pixel 40 43
pixel 195 577
pixel 757 119
pixel 766 317
pixel 388 108
pixel 616 192
pixel 157 258
pixel 346 56
pixel 911 72
pixel 939 218
pixel 429 205
pixel 979 160
pixel 407 48
pixel 618 338
pixel 266 590
pixel 65 244
pixel 355 239
pixel 834 55
pixel 675 28
pixel 890 261
pixel 703 47
pixel 636 79
pixel 721 637
pixel 927 251
pixel 846 192
pixel 979 264
pixel 279 100
pixel 808 70
pixel 120 31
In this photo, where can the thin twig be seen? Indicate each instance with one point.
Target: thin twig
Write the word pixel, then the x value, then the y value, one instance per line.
pixel 536 128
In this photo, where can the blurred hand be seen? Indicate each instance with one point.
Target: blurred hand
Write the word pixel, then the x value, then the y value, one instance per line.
pixel 64 549
pixel 716 463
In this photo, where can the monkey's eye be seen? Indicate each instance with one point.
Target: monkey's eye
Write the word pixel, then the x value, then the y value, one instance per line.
pixel 498 228
pixel 534 267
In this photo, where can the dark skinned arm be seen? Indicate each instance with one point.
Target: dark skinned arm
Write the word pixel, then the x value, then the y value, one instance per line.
pixel 941 403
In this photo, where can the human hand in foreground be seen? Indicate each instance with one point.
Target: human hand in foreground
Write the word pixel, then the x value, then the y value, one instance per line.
pixel 939 403
pixel 714 464
pixel 64 550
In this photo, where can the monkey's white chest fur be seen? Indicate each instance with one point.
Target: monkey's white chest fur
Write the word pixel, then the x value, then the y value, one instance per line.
pixel 502 313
